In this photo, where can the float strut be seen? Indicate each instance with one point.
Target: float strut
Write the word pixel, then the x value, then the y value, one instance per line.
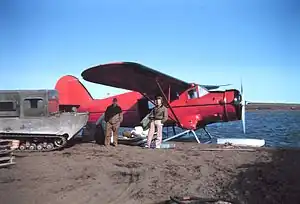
pixel 209 135
pixel 174 131
pixel 181 134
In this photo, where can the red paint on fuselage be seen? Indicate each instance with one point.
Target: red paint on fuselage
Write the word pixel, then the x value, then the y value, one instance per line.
pixel 192 113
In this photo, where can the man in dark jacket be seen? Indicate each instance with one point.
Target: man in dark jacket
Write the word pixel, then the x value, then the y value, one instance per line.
pixel 158 116
pixel 113 118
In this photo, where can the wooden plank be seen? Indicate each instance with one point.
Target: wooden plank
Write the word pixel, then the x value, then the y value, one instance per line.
pixel 9 144
pixel 4 144
pixel 6 158
pixel 3 152
pixel 5 147
pixel 7 164
pixel 6 152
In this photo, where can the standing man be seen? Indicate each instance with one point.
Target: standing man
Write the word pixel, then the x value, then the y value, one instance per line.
pixel 158 116
pixel 113 117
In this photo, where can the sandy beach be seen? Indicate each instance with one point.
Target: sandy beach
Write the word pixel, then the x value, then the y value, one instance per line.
pixel 89 173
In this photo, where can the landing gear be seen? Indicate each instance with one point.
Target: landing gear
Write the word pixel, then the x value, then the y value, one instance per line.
pixel 187 132
pixel 209 135
pixel 181 134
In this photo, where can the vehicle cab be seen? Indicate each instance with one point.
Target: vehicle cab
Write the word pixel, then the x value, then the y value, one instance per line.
pixel 28 103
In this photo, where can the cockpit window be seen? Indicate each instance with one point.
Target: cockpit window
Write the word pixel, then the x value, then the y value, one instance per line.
pixel 202 91
pixel 192 94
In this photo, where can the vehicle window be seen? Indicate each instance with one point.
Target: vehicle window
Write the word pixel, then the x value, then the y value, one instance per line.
pixel 34 107
pixel 34 103
pixel 7 106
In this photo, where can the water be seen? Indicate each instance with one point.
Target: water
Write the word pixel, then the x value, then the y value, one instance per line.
pixel 167 145
pixel 277 128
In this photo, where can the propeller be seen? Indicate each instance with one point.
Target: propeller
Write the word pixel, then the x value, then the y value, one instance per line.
pixel 243 103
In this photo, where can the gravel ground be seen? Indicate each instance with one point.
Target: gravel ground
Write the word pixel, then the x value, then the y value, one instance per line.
pixel 89 173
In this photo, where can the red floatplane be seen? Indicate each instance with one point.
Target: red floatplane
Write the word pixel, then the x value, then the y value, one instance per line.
pixel 191 106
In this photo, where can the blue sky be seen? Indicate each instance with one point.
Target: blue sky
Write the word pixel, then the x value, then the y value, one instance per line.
pixel 208 42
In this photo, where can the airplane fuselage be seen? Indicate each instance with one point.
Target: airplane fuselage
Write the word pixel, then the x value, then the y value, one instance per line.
pixel 193 109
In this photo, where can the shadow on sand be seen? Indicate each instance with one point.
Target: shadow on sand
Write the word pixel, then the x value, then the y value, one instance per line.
pixel 274 178
pixel 273 181
pixel 91 134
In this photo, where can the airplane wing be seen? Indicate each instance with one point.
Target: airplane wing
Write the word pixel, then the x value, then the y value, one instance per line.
pixel 135 77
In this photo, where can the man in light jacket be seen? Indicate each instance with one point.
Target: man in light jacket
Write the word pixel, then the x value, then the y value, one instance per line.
pixel 158 116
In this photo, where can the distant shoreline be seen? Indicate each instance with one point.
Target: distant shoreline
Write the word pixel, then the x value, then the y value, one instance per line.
pixel 271 106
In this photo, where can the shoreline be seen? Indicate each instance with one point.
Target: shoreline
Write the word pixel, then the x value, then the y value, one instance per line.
pixel 271 106
pixel 89 173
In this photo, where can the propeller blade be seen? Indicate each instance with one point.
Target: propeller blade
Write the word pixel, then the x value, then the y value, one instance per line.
pixel 243 103
pixel 243 119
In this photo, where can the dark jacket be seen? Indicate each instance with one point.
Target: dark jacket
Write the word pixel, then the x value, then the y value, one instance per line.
pixel 159 113
pixel 113 114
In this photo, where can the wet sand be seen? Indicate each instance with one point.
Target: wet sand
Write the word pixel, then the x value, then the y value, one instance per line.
pixel 93 174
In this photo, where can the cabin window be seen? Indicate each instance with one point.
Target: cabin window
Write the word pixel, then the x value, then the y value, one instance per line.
pixel 192 94
pixel 202 91
pixel 150 105
pixel 7 106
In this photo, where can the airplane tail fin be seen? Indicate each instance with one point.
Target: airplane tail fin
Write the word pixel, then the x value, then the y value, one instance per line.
pixel 72 92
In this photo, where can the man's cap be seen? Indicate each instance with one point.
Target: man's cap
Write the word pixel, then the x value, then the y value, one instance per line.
pixel 115 100
pixel 158 97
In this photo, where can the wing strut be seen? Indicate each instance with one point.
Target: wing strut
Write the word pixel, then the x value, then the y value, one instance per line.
pixel 169 93
pixel 145 95
pixel 148 98
pixel 166 99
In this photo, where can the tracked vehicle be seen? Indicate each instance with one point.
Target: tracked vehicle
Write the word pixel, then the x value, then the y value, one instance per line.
pixel 35 118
